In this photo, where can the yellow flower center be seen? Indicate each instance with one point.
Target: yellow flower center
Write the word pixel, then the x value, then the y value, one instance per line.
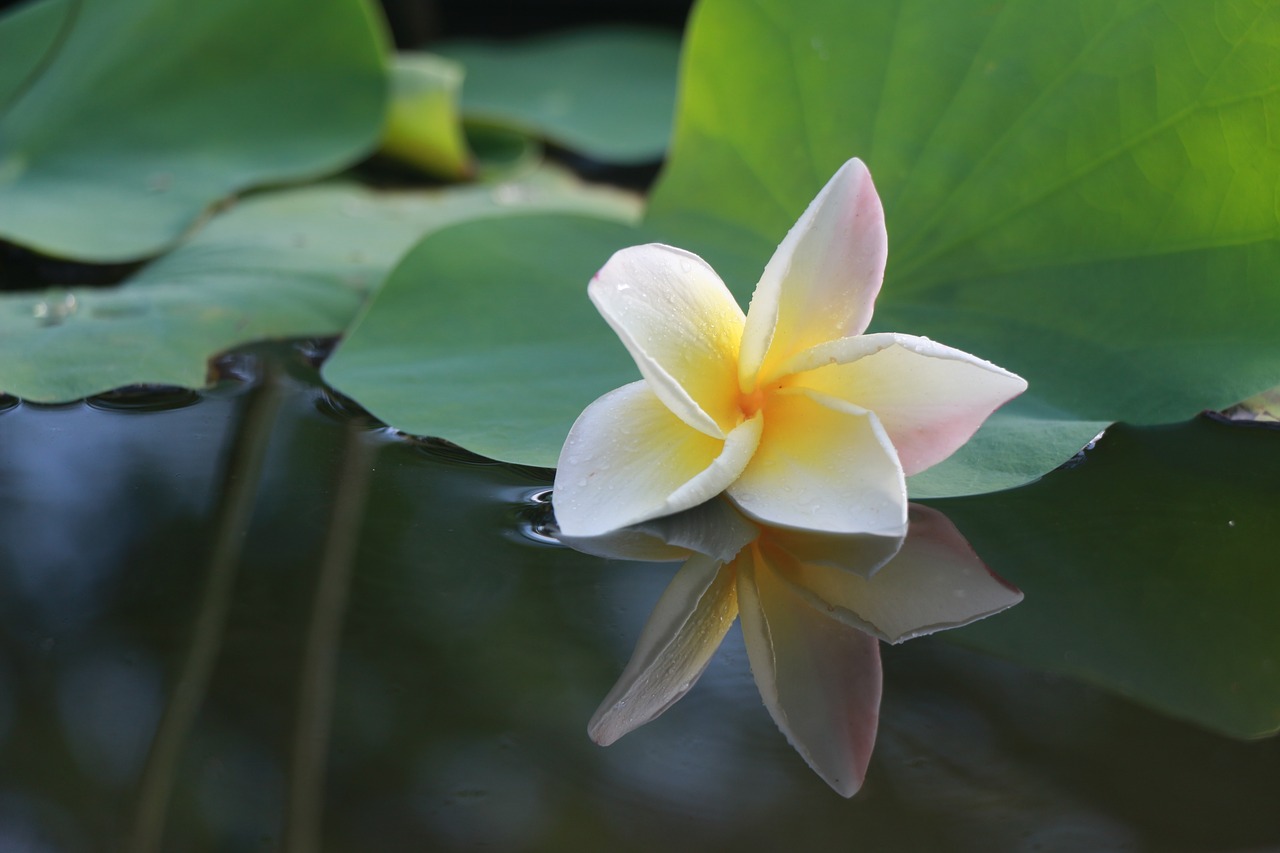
pixel 751 403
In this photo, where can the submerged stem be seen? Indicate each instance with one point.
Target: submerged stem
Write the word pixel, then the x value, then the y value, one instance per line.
pixel 315 693
pixel 235 509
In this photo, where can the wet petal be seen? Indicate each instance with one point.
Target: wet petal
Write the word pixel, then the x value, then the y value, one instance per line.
pixel 683 632
pixel 682 327
pixel 823 464
pixel 935 582
pixel 629 459
pixel 930 398
pixel 822 281
pixel 819 678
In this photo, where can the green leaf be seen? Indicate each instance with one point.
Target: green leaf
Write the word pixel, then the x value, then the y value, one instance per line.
pixel 285 264
pixel 424 127
pixel 1083 194
pixel 31 35
pixel 607 92
pixel 500 358
pixel 1144 571
pixel 149 111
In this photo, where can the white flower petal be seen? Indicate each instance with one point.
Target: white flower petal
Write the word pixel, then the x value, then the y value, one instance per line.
pixel 929 397
pixel 935 582
pixel 823 464
pixel 629 459
pixel 819 678
pixel 682 327
pixel 822 281
pixel 683 632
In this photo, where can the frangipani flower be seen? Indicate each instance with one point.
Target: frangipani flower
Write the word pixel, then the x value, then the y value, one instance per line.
pixel 814 607
pixel 790 409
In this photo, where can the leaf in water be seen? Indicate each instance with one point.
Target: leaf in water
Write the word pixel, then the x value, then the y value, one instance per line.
pixel 607 93
pixel 1149 570
pixel 152 110
pixel 284 264
pixel 423 126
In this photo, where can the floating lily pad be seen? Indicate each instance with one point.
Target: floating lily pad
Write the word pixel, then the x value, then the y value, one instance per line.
pixel 143 113
pixel 1084 199
pixel 291 263
pixel 606 92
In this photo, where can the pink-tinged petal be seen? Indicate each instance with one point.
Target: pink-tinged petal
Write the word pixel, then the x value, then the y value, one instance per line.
pixel 819 678
pixel 683 632
pixel 823 464
pixel 935 582
pixel 682 327
pixel 715 529
pixel 821 283
pixel 929 397
pixel 629 459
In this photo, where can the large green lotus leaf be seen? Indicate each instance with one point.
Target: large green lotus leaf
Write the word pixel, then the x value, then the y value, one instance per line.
pixel 290 263
pixel 606 92
pixel 148 111
pixel 1149 569
pixel 1082 193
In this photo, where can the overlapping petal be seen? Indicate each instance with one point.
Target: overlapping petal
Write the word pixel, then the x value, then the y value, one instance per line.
pixel 930 398
pixel 823 464
pixel 683 632
pixel 819 678
pixel 682 327
pixel 629 459
pixel 822 281
pixel 935 582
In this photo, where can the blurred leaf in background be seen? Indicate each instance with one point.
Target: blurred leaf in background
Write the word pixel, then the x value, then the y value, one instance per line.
pixel 605 93
pixel 123 121
pixel 289 263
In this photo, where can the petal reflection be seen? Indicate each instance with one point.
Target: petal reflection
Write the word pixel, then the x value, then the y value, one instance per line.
pixel 675 646
pixel 814 609
pixel 935 581
pixel 819 678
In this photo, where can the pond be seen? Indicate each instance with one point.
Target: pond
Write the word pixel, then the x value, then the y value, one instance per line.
pixel 253 618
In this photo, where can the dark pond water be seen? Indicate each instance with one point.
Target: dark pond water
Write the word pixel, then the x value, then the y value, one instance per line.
pixel 250 619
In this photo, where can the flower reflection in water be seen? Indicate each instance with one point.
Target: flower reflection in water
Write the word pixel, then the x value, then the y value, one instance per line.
pixel 814 607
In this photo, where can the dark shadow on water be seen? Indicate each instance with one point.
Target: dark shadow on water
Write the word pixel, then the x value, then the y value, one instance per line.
pixel 388 661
